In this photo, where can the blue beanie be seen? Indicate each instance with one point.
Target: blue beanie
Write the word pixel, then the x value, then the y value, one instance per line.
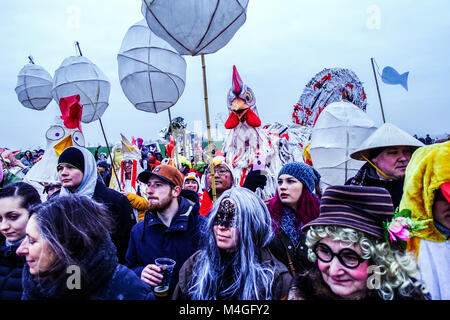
pixel 302 172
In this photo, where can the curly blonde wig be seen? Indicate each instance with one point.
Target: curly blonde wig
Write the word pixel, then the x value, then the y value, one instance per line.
pixel 396 267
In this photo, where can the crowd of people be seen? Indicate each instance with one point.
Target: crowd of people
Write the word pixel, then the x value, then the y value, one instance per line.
pixel 98 233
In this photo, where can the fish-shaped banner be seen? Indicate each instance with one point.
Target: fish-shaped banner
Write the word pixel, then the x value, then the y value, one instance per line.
pixel 391 76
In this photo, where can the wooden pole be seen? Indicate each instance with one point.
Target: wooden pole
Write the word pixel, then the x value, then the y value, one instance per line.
pixel 208 126
pixel 378 90
pixel 109 152
pixel 77 45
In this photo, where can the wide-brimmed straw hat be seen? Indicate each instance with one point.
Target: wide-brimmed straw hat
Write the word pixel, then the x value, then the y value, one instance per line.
pixel 356 207
pixel 388 135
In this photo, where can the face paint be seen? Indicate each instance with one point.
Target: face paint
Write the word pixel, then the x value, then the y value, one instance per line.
pixel 225 216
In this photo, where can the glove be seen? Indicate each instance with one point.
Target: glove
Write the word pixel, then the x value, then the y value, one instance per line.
pixel 254 180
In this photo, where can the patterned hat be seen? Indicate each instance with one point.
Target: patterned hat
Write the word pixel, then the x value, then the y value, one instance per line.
pixel 356 207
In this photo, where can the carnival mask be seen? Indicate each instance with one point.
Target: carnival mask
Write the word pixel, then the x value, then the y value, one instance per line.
pixel 226 216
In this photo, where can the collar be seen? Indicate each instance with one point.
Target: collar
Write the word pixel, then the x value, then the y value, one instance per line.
pixel 180 220
pixel 442 229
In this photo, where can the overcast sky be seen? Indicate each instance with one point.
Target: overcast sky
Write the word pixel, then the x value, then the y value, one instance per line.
pixel 281 46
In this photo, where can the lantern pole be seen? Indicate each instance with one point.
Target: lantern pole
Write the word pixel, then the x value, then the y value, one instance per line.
pixel 378 90
pixel 208 126
pixel 174 140
pixel 77 45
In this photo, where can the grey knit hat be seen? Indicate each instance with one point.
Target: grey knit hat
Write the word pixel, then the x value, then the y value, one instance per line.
pixel 302 172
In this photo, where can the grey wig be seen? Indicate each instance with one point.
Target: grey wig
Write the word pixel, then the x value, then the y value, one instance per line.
pixel 253 278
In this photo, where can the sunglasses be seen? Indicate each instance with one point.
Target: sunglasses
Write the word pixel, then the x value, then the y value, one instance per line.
pixel 347 257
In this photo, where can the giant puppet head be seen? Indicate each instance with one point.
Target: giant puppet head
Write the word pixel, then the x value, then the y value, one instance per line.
pixel 64 133
pixel 241 104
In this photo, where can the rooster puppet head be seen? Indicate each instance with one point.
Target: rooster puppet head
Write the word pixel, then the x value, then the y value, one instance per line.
pixel 241 104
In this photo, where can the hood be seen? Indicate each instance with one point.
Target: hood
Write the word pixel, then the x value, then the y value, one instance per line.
pixel 427 170
pixel 87 186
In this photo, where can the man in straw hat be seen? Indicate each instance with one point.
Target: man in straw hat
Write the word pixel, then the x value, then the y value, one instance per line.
pixel 387 152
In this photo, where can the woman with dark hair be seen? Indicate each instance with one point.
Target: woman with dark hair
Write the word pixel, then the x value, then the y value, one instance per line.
pixel 27 159
pixel 293 206
pixel 70 255
pixel 15 200
pixel 235 263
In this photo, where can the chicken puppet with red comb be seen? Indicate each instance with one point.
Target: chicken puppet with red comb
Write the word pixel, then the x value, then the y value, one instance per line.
pixel 246 141
pixel 63 133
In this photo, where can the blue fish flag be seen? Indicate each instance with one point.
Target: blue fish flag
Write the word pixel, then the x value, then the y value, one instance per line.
pixel 391 76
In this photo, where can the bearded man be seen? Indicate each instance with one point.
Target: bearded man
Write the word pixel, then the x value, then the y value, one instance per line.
pixel 170 229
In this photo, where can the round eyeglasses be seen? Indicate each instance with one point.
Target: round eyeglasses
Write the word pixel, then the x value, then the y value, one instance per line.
pixel 347 257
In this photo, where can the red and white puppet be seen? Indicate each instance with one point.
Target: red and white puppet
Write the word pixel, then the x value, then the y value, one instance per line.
pixel 246 139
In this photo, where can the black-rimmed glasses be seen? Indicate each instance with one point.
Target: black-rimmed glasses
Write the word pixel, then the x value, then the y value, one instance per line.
pixel 347 257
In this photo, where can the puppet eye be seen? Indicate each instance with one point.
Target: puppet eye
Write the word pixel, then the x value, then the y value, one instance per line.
pixel 55 133
pixel 248 97
pixel 78 138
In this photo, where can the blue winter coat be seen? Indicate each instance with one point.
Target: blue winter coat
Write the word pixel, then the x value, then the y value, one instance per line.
pixel 151 238
pixel 11 266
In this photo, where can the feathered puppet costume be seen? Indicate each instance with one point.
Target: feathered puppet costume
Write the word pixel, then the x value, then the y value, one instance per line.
pixel 326 87
pixel 64 133
pixel 246 139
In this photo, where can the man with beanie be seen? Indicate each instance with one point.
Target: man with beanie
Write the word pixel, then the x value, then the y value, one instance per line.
pixel 77 171
pixel 387 152
pixel 170 229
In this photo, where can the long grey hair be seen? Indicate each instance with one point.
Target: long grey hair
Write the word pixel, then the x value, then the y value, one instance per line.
pixel 252 278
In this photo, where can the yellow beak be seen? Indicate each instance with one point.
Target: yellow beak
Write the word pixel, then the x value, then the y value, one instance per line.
pixel 239 107
pixel 63 145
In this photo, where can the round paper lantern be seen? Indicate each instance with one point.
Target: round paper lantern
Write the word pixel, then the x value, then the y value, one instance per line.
pixel 34 86
pixel 78 75
pixel 195 27
pixel 152 74
pixel 339 130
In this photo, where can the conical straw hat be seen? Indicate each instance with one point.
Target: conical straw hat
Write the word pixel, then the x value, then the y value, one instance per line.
pixel 387 135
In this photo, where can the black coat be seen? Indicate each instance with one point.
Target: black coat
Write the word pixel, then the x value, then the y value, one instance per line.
pixel 11 266
pixel 151 238
pixel 122 214
pixel 281 245
pixel 367 176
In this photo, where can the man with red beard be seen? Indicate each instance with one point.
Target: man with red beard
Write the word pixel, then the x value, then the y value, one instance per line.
pixel 171 227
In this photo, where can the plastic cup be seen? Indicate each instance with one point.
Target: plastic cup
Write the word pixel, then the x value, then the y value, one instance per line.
pixel 166 265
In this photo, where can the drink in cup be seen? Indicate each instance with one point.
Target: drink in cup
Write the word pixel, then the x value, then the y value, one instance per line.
pixel 166 265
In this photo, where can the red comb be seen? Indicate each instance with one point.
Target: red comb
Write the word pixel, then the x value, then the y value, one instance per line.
pixel 71 111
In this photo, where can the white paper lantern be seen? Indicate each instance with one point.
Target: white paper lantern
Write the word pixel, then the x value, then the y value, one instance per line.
pixel 195 27
pixel 152 74
pixel 78 75
pixel 339 130
pixel 34 86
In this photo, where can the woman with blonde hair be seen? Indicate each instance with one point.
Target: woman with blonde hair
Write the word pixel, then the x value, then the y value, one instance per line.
pixel 355 247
